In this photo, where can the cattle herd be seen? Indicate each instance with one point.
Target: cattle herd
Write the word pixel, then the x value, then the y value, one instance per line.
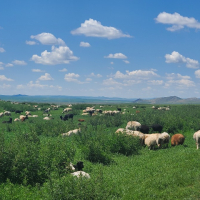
pixel 134 128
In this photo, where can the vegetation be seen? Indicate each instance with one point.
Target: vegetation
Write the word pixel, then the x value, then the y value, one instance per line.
pixel 34 157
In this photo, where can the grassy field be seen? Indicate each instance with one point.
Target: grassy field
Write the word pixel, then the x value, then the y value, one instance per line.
pixel 34 155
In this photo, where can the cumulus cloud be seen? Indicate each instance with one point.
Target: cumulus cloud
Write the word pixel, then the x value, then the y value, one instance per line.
pixel 177 21
pixel 2 50
pixel 111 81
pixel 84 44
pixel 111 63
pixel 48 39
pixel 156 82
pixel 9 65
pixel 88 79
pixel 72 77
pixel 93 28
pixel 95 75
pixel 46 77
pixel 30 42
pixel 37 84
pixel 116 55
pixel 126 61
pixel 135 74
pixel 176 57
pixel 63 70
pixel 37 70
pixel 179 81
pixel 1 68
pixel 19 62
pixel 60 55
pixel 4 78
pixel 197 73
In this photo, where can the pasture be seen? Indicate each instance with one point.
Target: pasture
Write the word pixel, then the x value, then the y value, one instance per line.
pixel 34 157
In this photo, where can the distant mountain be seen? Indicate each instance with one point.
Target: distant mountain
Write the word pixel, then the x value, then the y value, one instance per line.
pixel 168 100
pixel 19 95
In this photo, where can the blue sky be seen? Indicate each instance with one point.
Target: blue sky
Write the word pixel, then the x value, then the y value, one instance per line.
pixel 129 49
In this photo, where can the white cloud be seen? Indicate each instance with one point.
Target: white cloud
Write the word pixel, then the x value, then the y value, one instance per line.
pixel 63 70
pixel 95 75
pixel 111 63
pixel 177 21
pixel 37 70
pixel 19 62
pixel 116 55
pixel 111 81
pixel 2 50
pixel 48 39
pixel 9 65
pixel 156 82
pixel 60 55
pixel 31 84
pixel 4 86
pixel 135 74
pixel 30 42
pixel 3 78
pixel 126 61
pixel 94 28
pixel 178 80
pixel 84 44
pixel 45 77
pixel 197 73
pixel 176 57
pixel 88 79
pixel 1 63
pixel 1 68
pixel 72 77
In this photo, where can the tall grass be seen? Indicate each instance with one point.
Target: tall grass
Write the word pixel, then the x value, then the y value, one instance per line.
pixel 34 157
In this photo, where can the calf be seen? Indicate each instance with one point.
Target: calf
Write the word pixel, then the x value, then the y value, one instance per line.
pixel 66 117
pixel 18 111
pixel 157 127
pixel 177 139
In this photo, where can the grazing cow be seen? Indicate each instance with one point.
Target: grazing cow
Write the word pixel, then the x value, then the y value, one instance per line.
pixel 66 117
pixel 66 110
pixel 157 127
pixel 48 118
pixel 72 132
pixel 81 120
pixel 133 125
pixel 144 129
pixel 18 111
pixel 47 110
pixel 119 109
pixel 79 166
pixel 27 112
pixel 1 114
pixel 23 118
pixel 79 174
pixel 8 122
pixel 177 139
pixel 7 113
pixel 196 137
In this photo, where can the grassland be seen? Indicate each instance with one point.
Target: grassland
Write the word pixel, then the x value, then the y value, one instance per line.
pixel 34 156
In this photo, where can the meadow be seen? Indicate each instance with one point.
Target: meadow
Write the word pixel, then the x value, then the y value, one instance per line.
pixel 34 156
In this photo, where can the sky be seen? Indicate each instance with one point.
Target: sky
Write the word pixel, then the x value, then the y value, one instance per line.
pixel 113 48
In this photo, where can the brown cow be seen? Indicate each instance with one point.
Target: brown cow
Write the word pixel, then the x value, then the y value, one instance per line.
pixel 177 139
pixel 81 120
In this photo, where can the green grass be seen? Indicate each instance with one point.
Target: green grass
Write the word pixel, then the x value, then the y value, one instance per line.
pixel 118 167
